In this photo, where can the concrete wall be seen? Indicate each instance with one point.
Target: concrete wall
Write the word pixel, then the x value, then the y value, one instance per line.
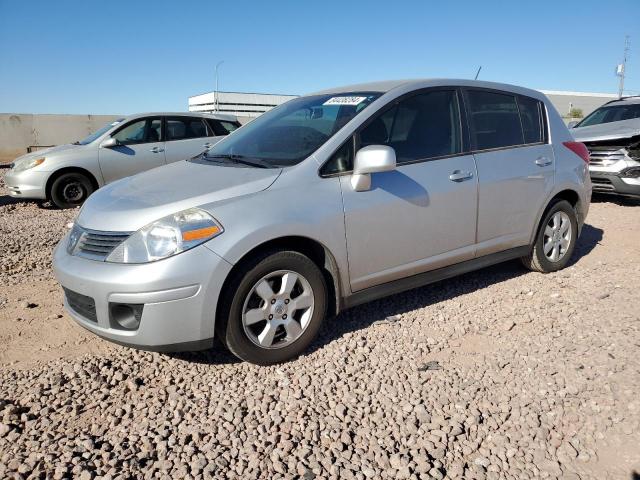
pixel 19 131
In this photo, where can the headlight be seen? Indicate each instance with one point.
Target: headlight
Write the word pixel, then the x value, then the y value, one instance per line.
pixel 166 237
pixel 74 236
pixel 26 164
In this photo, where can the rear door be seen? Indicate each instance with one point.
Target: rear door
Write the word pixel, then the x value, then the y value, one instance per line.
pixel 140 147
pixel 422 215
pixel 515 165
pixel 187 137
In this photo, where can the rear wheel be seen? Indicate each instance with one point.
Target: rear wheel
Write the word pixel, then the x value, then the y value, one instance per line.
pixel 273 308
pixel 556 239
pixel 70 190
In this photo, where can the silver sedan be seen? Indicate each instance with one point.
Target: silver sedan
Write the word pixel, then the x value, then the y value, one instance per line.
pixel 68 174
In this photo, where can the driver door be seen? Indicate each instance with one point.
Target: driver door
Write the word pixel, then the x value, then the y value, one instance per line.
pixel 140 147
pixel 422 215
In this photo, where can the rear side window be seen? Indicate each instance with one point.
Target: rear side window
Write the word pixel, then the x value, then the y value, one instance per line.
pixel 420 127
pixel 180 128
pixel 222 127
pixel 531 116
pixel 495 122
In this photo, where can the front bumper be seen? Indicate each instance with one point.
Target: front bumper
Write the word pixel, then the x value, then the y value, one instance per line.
pixel 178 297
pixel 27 184
pixel 606 182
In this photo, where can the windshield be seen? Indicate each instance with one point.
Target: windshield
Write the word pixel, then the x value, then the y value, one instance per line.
pixel 100 132
pixel 291 132
pixel 613 113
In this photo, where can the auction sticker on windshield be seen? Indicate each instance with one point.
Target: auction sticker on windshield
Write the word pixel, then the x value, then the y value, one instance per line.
pixel 345 101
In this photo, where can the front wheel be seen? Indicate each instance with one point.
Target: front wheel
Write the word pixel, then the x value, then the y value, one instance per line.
pixel 556 239
pixel 70 190
pixel 272 308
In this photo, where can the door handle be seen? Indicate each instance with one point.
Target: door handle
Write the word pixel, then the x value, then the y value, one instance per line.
pixel 458 176
pixel 157 150
pixel 543 161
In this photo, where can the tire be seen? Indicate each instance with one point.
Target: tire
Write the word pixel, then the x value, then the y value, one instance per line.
pixel 70 190
pixel 243 323
pixel 539 260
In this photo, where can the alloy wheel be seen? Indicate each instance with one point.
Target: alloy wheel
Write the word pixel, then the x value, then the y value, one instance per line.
pixel 278 309
pixel 557 236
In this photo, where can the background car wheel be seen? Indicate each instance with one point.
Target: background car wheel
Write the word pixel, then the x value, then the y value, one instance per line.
pixel 273 308
pixel 556 239
pixel 70 190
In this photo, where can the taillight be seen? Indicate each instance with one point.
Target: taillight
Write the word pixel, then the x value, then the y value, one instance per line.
pixel 579 149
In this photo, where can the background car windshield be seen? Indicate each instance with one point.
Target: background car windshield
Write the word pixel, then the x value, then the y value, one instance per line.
pixel 615 113
pixel 100 132
pixel 291 132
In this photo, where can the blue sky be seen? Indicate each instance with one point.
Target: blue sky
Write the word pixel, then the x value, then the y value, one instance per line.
pixel 130 56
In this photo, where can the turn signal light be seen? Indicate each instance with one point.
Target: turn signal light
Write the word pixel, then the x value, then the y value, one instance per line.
pixel 200 233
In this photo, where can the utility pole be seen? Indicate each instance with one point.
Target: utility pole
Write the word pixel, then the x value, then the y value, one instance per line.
pixel 621 70
pixel 216 102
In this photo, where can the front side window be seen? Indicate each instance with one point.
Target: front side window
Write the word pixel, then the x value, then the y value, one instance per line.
pixel 181 128
pixel 613 113
pixel 420 127
pixel 146 130
pixel 294 130
pixel 495 122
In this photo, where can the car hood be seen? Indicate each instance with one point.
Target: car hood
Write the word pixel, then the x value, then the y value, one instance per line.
pixel 46 151
pixel 133 202
pixel 607 131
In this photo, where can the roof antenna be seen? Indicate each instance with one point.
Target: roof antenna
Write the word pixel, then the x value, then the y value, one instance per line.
pixel 478 72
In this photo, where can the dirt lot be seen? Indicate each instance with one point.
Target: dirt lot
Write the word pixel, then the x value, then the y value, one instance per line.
pixel 500 373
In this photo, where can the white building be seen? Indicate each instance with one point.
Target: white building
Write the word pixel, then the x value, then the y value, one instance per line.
pixel 237 103
pixel 585 101
pixel 250 105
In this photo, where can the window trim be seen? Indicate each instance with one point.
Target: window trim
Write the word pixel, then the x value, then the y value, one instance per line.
pixel 355 136
pixel 541 108
pixel 146 126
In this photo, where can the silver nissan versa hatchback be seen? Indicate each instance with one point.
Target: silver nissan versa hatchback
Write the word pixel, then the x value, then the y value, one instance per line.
pixel 325 202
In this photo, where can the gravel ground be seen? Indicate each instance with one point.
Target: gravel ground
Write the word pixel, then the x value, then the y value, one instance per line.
pixel 501 373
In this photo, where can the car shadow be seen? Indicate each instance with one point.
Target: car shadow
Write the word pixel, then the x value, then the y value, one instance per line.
pixel 589 238
pixel 218 355
pixel 6 200
pixel 363 316
pixel 619 200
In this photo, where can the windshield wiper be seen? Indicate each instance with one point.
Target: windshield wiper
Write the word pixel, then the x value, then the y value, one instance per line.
pixel 252 162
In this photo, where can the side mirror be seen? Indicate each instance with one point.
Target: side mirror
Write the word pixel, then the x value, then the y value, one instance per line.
pixel 371 159
pixel 572 124
pixel 109 143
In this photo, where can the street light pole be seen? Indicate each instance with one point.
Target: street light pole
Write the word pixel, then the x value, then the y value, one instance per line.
pixel 217 104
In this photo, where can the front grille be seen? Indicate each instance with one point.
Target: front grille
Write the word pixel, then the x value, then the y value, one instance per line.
pixel 81 304
pixel 98 245
pixel 602 184
pixel 603 156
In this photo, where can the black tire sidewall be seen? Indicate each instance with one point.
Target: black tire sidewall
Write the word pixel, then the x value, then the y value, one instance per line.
pixel 230 329
pixel 56 194
pixel 546 264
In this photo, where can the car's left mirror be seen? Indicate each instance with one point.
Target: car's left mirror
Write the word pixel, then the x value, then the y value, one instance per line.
pixel 109 143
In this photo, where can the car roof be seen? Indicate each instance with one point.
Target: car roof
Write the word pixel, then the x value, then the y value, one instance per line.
pixel 624 101
pixel 215 116
pixel 415 84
